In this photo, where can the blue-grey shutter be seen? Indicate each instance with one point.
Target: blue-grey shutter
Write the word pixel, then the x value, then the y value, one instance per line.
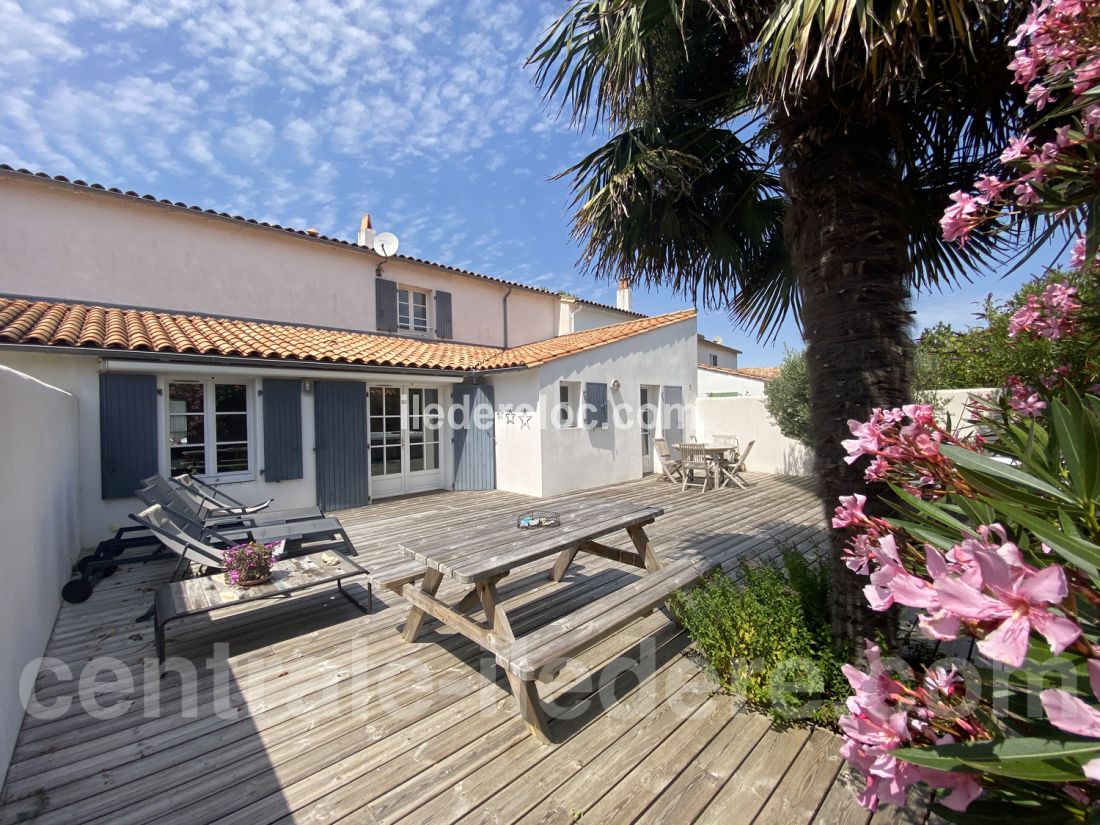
pixel 595 404
pixel 340 427
pixel 475 448
pixel 385 301
pixel 282 429
pixel 672 415
pixel 127 432
pixel 443 326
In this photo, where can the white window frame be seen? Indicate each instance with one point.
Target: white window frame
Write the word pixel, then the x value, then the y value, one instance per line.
pixel 568 408
pixel 713 360
pixel 210 426
pixel 410 326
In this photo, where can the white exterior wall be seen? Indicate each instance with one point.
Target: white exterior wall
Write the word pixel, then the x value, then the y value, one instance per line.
pixel 579 458
pixel 727 357
pixel 79 375
pixel 81 245
pixel 720 382
pixel 100 517
pixel 518 446
pixel 585 316
pixel 38 488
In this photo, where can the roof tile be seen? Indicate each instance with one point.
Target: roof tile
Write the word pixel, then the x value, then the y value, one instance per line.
pixel 76 325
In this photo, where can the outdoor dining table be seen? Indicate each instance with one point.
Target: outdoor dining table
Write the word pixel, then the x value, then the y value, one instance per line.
pixel 715 453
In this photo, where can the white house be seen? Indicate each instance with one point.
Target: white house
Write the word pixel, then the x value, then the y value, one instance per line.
pixel 719 375
pixel 312 370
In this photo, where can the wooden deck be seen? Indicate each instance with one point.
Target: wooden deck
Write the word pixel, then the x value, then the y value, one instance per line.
pixel 325 715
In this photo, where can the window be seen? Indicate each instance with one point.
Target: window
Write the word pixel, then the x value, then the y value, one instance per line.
pixel 209 428
pixel 714 360
pixel 569 397
pixel 412 310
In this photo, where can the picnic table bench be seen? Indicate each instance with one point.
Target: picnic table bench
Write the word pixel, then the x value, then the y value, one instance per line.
pixel 480 556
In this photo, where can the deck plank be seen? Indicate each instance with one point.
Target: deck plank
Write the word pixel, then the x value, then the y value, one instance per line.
pixel 337 719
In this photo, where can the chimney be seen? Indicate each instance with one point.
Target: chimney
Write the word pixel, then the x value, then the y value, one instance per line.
pixel 622 297
pixel 366 229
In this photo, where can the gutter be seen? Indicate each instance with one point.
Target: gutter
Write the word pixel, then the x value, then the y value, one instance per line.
pixel 504 309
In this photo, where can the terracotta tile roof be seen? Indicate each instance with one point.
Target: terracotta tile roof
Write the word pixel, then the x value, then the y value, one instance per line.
pixel 531 355
pixel 758 373
pixel 59 324
pixel 306 234
pixel 53 323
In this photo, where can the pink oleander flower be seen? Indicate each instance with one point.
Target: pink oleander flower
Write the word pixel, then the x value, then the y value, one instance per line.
pixel 1018 149
pixel 959 221
pixel 1074 715
pixel 849 512
pixel 877 470
pixel 1018 601
pixel 866 439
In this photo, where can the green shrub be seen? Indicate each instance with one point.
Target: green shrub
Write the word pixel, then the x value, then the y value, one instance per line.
pixel 788 398
pixel 767 637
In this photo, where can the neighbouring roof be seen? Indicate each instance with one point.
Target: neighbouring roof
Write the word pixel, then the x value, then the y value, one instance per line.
pixel 539 352
pixel 316 238
pixel 755 373
pixel 74 325
pixel 704 340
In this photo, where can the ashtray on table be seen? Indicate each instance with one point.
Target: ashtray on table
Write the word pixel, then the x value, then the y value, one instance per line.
pixel 534 520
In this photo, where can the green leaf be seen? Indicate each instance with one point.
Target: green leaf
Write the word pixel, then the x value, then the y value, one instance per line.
pixel 926 534
pixel 932 512
pixel 1030 758
pixel 1074 440
pixel 1078 551
pixel 986 467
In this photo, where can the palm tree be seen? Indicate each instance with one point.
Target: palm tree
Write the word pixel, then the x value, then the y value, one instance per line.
pixel 789 156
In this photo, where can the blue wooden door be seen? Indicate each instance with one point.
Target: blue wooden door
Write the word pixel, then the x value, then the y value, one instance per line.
pixel 474 437
pixel 340 426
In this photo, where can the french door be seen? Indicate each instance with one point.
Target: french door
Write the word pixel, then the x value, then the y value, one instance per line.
pixel 404 436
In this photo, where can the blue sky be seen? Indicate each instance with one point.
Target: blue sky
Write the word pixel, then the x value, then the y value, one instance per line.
pixel 417 111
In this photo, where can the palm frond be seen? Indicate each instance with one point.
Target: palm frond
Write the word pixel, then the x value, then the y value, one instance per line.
pixel 813 40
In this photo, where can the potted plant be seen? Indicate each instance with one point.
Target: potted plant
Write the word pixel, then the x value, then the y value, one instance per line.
pixel 249 564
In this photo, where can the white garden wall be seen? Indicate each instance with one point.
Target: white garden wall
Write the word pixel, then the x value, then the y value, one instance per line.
pixel 40 540
pixel 748 419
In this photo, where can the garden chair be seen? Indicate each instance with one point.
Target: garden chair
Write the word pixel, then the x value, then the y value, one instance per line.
pixel 670 467
pixel 694 460
pixel 732 469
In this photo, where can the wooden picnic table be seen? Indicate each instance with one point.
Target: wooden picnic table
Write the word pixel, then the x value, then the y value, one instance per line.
pixel 482 554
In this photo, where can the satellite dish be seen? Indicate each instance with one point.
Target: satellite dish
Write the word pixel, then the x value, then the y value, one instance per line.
pixel 366 237
pixel 385 244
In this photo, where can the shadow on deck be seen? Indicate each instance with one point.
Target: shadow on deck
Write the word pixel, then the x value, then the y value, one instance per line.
pixel 308 711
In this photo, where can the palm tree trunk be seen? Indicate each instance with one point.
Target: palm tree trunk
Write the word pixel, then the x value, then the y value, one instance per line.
pixel 848 247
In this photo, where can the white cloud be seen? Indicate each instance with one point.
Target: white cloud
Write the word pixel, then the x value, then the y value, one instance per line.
pixel 302 134
pixel 251 140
